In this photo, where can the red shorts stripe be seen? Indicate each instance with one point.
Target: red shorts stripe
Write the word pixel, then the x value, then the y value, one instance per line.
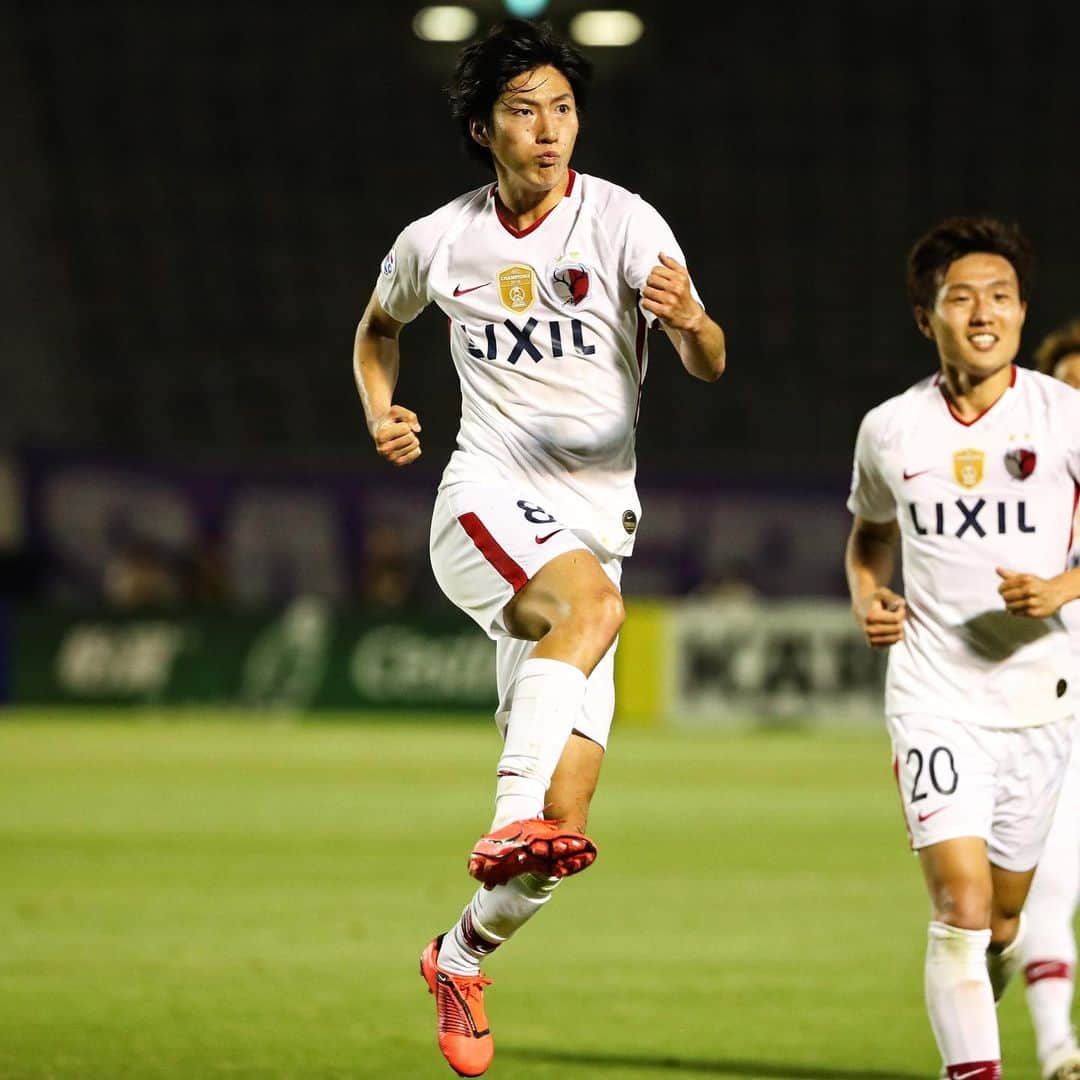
pixel 1038 970
pixel 488 546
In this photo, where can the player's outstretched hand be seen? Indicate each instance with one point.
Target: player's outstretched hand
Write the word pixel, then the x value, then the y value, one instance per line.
pixel 1026 594
pixel 667 294
pixel 395 434
pixel 881 616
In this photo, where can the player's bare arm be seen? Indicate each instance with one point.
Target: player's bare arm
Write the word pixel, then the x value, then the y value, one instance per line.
pixel 697 339
pixel 375 368
pixel 1036 597
pixel 869 561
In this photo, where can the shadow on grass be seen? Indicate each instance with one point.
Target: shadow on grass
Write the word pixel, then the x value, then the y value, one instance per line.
pixel 719 1066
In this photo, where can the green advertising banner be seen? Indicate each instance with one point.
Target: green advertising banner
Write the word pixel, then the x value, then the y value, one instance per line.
pixel 307 656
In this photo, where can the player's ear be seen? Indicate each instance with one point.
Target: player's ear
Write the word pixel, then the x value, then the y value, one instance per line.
pixel 922 321
pixel 478 130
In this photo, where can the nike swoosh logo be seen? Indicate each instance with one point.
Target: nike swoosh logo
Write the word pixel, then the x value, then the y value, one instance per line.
pixel 919 472
pixel 970 1072
pixel 459 291
pixel 545 539
pixel 927 817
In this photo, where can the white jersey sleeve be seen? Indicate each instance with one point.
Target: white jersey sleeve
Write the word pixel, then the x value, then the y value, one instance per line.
pixel 647 234
pixel 1072 425
pixel 871 497
pixel 402 286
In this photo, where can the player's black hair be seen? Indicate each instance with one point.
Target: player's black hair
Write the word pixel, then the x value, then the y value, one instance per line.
pixel 1065 341
pixel 510 48
pixel 936 250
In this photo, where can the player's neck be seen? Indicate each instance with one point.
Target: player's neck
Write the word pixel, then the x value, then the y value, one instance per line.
pixel 971 396
pixel 522 206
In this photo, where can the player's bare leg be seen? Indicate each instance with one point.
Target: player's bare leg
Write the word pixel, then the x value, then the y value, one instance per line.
pixel 959 996
pixel 574 783
pixel 1007 925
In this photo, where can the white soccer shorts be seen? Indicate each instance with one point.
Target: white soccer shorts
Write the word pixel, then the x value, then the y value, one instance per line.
pixel 1000 784
pixel 487 543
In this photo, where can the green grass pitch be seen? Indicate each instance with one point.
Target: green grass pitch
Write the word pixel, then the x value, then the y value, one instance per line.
pixel 227 896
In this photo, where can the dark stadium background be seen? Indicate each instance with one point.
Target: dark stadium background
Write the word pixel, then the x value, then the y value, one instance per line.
pixel 197 200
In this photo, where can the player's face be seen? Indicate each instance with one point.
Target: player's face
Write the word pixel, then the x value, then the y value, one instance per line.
pixel 533 128
pixel 977 315
pixel 1067 369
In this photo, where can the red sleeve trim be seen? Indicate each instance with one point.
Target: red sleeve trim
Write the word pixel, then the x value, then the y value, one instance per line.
pixel 639 352
pixel 1072 520
pixel 489 547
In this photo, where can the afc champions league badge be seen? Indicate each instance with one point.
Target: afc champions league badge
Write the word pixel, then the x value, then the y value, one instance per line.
pixel 1020 462
pixel 517 288
pixel 968 467
pixel 571 282
pixel 388 263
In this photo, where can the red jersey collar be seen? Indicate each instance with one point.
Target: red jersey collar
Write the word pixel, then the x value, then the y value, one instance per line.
pixel 518 233
pixel 974 420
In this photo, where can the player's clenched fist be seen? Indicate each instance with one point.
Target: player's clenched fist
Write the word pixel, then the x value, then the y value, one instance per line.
pixel 881 616
pixel 1026 594
pixel 395 434
pixel 667 294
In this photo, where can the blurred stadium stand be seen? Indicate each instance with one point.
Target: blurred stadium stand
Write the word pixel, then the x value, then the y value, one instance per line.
pixel 197 201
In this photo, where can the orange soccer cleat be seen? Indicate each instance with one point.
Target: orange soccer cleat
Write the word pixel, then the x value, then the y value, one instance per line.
pixel 464 1036
pixel 532 846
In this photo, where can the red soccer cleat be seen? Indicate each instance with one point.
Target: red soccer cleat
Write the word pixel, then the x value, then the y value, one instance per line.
pixel 464 1036
pixel 532 846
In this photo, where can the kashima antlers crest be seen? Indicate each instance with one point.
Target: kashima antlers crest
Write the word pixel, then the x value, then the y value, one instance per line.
pixel 1020 463
pixel 571 282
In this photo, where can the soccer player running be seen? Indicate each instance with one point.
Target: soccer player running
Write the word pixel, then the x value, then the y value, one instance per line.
pixel 975 470
pixel 549 279
pixel 1049 946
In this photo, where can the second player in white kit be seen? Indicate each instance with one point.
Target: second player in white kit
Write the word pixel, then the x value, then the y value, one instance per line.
pixel 975 471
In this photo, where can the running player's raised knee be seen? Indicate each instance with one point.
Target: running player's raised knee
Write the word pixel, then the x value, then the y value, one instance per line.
pixel 604 610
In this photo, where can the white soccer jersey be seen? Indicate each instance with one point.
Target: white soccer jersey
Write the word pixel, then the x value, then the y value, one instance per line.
pixel 548 339
pixel 998 491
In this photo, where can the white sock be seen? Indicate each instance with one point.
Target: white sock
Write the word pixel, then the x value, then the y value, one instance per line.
pixel 491 917
pixel 1049 997
pixel 548 695
pixel 959 998
pixel 1050 942
pixel 1005 963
